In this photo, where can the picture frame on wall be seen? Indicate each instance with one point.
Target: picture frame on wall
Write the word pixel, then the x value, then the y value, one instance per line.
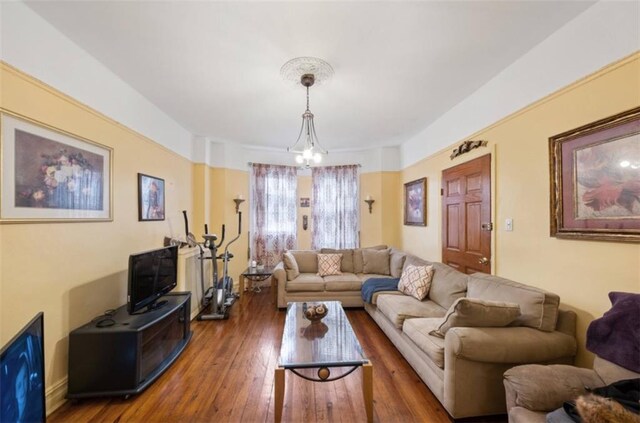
pixel 595 180
pixel 150 198
pixel 50 175
pixel 415 202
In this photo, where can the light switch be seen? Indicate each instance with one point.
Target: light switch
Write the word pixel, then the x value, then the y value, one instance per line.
pixel 508 224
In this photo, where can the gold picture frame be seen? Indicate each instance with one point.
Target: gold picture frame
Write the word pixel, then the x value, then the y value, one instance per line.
pixel 595 180
pixel 415 202
pixel 51 175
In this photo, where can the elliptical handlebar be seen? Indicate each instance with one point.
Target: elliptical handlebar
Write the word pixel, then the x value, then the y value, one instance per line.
pixel 226 249
pixel 221 238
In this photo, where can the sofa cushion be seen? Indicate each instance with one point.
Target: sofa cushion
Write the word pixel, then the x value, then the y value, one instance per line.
pixel 538 308
pixel 329 264
pixel 418 330
pixel 397 308
pixel 375 261
pixel 447 285
pixel 343 282
pixel 472 312
pixel 290 266
pixel 396 262
pixel 346 266
pixel 374 298
pixel 306 282
pixel 364 276
pixel 358 264
pixel 307 260
pixel 415 281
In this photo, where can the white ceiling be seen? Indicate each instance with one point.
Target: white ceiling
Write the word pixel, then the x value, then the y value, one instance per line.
pixel 214 66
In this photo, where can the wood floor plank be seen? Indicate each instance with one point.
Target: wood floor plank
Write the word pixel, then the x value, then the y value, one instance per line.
pixel 226 374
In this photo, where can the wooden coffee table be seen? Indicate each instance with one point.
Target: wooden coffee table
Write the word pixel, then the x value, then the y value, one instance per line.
pixel 323 345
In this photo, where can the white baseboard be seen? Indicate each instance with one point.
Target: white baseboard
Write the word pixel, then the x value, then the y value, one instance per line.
pixel 55 395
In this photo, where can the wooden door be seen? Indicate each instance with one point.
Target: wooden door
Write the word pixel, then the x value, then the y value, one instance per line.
pixel 466 216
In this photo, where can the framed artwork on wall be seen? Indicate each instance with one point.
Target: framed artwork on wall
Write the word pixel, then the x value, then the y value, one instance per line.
pixel 150 198
pixel 415 202
pixel 49 175
pixel 595 180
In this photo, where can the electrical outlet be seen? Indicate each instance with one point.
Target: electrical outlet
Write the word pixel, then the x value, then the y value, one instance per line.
pixel 508 224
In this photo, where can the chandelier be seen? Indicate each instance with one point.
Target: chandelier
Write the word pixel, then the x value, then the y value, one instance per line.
pixel 307 71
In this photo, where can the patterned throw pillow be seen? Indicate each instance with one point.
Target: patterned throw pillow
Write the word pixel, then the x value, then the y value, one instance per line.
pixel 329 264
pixel 416 281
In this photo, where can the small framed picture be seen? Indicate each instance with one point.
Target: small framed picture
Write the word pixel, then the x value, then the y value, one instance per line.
pixel 49 175
pixel 150 198
pixel 595 180
pixel 415 202
pixel 304 201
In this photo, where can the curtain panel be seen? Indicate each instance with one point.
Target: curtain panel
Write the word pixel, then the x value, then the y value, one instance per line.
pixel 273 194
pixel 335 214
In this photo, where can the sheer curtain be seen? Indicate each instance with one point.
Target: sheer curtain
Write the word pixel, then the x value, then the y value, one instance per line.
pixel 273 214
pixel 335 207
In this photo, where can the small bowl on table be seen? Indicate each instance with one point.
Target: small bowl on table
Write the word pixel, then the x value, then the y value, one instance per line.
pixel 314 313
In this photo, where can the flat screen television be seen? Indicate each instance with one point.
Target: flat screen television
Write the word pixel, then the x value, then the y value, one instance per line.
pixel 152 274
pixel 22 375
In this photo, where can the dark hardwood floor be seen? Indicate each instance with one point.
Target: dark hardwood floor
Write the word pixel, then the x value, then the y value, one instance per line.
pixel 226 374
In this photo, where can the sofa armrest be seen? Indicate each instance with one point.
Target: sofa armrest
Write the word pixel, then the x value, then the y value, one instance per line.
pixel 545 388
pixel 281 280
pixel 513 345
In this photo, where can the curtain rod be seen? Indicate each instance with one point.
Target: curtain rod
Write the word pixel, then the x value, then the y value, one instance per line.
pixel 303 167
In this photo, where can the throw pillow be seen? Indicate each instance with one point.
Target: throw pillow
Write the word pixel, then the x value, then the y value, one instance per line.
pixel 307 260
pixel 473 312
pixel 347 258
pixel 290 266
pixel 396 262
pixel 357 257
pixel 329 264
pixel 375 262
pixel 416 281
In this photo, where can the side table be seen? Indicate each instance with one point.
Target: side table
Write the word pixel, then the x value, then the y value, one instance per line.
pixel 252 274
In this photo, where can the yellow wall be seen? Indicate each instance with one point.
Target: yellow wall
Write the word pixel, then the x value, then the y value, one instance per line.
pixel 75 271
pixel 382 225
pixel 581 272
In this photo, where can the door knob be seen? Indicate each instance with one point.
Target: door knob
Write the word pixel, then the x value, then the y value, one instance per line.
pixel 483 260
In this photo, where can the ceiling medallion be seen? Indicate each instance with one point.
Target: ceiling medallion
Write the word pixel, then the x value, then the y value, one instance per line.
pixel 307 71
pixel 293 70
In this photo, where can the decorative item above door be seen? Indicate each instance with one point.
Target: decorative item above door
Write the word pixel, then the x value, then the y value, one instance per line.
pixel 467 146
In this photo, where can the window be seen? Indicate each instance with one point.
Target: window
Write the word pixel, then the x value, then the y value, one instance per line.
pixel 335 207
pixel 273 212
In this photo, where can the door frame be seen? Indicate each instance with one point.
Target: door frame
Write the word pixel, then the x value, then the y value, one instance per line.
pixel 474 154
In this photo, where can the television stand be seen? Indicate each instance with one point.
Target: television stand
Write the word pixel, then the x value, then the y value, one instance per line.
pixel 125 358
pixel 156 305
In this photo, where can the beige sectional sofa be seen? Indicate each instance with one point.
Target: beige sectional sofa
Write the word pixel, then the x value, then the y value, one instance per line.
pixel 464 370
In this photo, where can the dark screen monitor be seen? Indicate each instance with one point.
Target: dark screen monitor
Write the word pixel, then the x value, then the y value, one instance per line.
pixel 22 375
pixel 152 274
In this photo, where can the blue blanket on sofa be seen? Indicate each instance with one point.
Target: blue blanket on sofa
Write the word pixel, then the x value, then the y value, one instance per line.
pixel 373 285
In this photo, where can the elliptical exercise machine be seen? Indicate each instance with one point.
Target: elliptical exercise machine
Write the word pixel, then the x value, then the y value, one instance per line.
pixel 219 297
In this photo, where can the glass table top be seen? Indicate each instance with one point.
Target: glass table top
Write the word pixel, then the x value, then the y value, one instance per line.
pixel 327 343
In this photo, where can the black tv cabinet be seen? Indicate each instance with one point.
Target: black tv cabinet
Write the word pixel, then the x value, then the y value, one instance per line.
pixel 125 358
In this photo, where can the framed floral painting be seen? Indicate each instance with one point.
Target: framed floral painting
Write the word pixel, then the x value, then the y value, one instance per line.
pixel 415 202
pixel 595 180
pixel 150 198
pixel 49 175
